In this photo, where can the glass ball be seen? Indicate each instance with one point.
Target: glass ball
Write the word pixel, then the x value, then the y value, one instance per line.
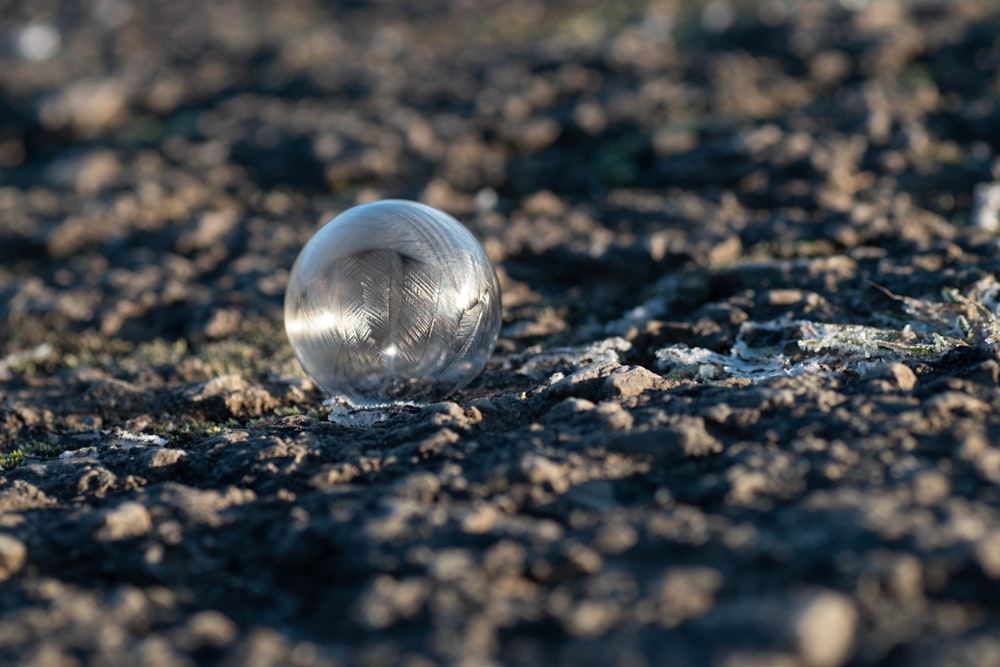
pixel 392 301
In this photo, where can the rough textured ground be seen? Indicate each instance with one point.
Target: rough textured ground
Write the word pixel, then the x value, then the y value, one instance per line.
pixel 680 453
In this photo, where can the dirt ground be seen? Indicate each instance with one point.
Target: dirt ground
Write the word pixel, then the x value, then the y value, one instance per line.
pixel 745 408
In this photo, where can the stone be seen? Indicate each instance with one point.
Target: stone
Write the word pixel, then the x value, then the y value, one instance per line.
pixel 207 629
pixel 823 625
pixel 13 554
pixel 540 470
pixel 987 552
pixel 20 496
pixel 685 438
pixel 607 379
pixel 685 592
pixel 893 376
pixel 128 520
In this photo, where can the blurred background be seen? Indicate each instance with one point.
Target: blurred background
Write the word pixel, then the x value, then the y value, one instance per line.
pixel 161 163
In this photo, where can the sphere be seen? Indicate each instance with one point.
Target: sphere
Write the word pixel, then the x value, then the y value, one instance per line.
pixel 392 301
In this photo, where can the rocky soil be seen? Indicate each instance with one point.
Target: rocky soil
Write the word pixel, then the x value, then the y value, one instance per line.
pixel 745 409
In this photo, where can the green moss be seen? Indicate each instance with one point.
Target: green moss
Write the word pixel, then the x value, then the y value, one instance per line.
pixel 258 422
pixel 592 24
pixel 11 460
pixel 321 412
pixel 194 429
pixel 258 348
pixel 48 447
pixel 176 431
pixel 51 446
pixel 257 351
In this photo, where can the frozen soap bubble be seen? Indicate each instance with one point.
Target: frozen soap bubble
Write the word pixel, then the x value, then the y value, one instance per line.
pixel 392 301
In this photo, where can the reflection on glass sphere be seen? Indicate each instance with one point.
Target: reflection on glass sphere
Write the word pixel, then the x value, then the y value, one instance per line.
pixel 392 301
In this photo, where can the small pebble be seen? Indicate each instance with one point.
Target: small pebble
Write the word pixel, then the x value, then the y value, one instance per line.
pixel 126 521
pixel 13 553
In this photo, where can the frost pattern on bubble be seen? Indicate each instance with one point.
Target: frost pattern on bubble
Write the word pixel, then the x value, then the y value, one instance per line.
pixel 392 301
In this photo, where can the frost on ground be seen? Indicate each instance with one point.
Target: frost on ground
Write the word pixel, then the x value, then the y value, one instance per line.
pixel 795 347
pixel 537 358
